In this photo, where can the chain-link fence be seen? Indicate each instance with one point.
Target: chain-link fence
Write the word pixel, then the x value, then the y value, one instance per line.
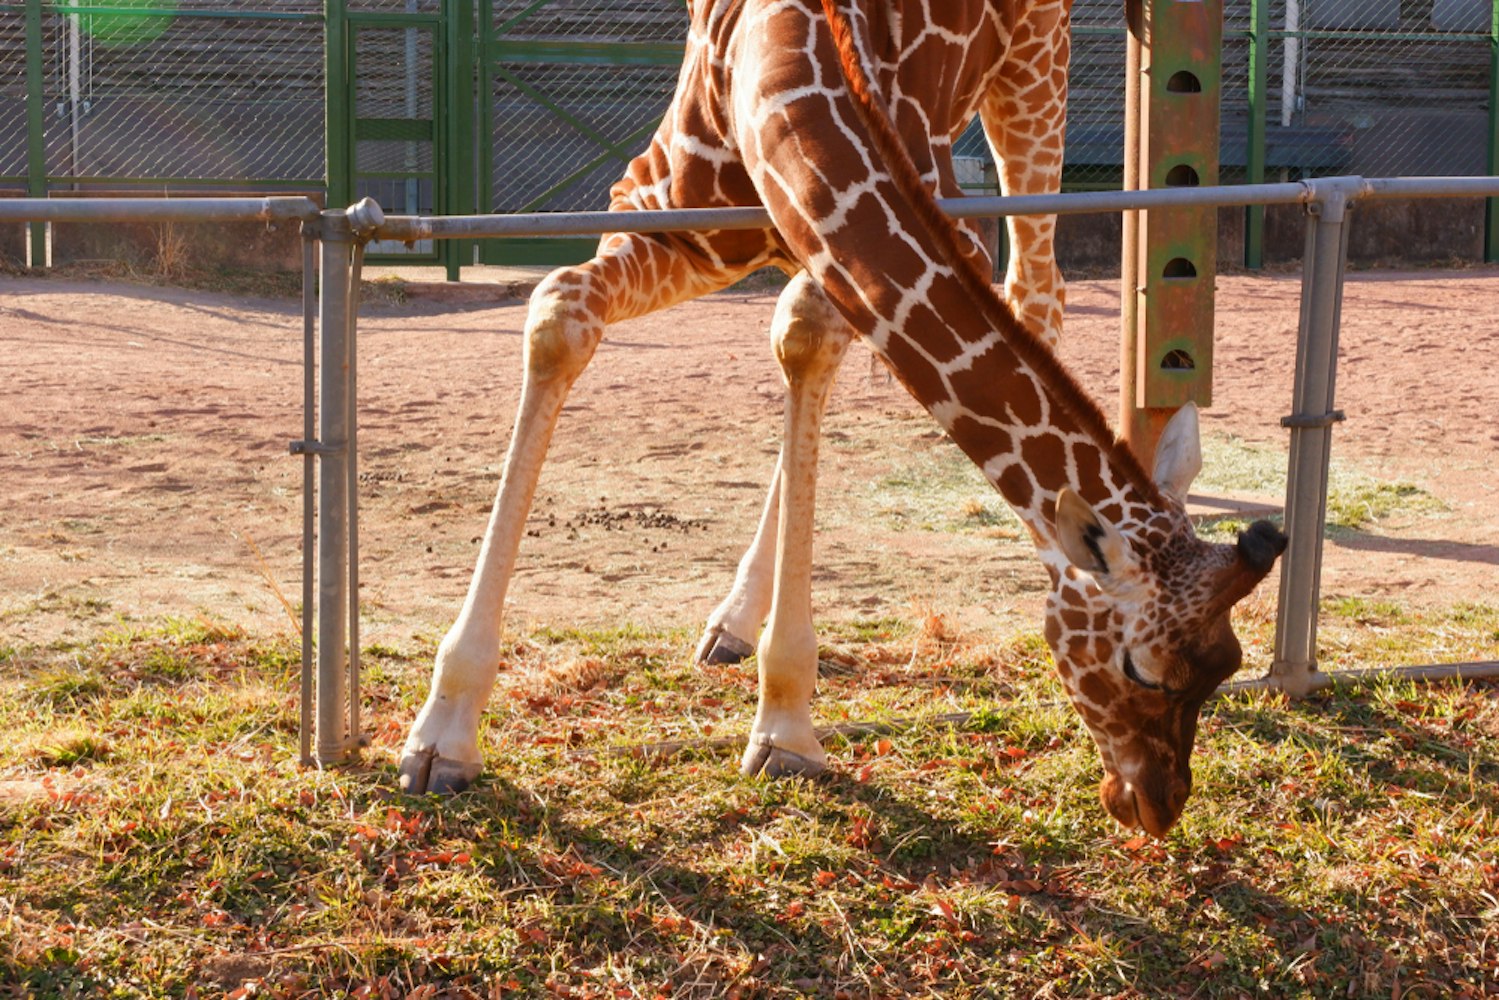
pixel 560 93
pixel 567 117
pixel 176 93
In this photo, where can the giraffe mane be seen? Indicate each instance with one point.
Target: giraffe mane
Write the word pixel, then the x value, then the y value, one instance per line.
pixel 1034 353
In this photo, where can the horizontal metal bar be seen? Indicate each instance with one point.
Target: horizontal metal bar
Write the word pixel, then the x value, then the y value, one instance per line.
pixel 1087 202
pixel 1325 420
pixel 222 15
pixel 572 53
pixel 958 720
pixel 313 448
pixel 393 129
pixel 1381 36
pixel 1425 673
pixel 407 228
pixel 391 19
pixel 270 209
pixel 395 175
pixel 303 184
pixel 1237 34
pixel 399 227
pixel 1434 672
pixel 1386 188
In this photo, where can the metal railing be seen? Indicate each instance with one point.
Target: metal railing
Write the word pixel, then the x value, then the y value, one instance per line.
pixel 330 434
pixel 506 105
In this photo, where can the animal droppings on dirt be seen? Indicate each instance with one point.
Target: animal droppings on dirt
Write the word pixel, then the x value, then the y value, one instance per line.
pixel 621 520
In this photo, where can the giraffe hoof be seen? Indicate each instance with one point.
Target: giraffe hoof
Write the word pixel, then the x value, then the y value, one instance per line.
pixel 720 647
pixel 423 772
pixel 773 762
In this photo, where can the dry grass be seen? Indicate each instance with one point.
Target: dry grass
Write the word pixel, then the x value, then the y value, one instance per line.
pixel 157 838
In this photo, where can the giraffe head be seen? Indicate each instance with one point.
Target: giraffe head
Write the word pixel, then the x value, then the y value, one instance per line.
pixel 1139 624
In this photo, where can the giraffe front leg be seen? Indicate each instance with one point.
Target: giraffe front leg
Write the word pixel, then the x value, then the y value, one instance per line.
pixel 631 276
pixel 810 339
pixel 730 633
pixel 442 750
pixel 732 627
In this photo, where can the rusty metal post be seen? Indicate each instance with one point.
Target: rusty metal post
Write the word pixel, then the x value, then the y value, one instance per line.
pixel 1170 255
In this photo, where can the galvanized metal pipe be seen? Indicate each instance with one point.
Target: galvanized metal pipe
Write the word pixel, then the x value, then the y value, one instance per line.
pixel 1388 188
pixel 412 228
pixel 356 732
pixel 333 737
pixel 268 209
pixel 406 228
pixel 1420 674
pixel 1129 224
pixel 309 473
pixel 1294 664
pixel 36 132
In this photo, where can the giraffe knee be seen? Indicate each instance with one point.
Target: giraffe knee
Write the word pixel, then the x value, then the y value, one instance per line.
pixel 809 335
pixel 562 331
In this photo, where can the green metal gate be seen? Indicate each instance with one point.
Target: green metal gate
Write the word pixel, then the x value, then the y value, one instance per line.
pixel 570 91
pixel 457 106
pixel 399 112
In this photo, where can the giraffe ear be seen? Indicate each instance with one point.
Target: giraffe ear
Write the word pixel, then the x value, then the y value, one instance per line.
pixel 1089 542
pixel 1178 455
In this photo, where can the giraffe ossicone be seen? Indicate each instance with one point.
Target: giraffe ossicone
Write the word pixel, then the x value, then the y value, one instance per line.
pixel 838 117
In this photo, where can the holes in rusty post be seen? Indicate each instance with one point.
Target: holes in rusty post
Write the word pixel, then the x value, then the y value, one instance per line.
pixel 1179 267
pixel 1178 360
pixel 1181 175
pixel 1184 81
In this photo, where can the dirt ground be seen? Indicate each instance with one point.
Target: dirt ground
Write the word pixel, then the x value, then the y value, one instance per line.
pixel 144 467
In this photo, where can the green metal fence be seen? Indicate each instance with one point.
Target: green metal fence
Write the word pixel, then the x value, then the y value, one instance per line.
pixel 522 105
pixel 171 95
pixel 573 89
pixel 180 93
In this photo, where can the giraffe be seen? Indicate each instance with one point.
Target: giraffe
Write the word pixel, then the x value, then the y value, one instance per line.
pixel 838 119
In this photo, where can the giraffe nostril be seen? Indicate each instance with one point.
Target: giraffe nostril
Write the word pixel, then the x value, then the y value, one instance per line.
pixel 1177 795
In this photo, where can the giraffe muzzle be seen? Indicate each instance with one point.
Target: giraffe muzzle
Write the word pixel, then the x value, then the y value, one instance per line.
pixel 1152 806
pixel 1260 544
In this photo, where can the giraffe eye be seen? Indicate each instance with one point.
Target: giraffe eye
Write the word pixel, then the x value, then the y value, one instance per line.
pixel 1133 673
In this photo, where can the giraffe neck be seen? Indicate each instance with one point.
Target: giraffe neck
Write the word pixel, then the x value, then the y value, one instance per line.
pixel 1001 394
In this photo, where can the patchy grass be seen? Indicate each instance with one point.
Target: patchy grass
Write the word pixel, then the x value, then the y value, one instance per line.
pixel 937 488
pixel 1356 501
pixel 158 839
pixel 1356 505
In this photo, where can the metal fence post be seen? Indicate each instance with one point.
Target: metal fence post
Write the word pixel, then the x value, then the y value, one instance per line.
pixel 334 741
pixel 1491 210
pixel 337 114
pixel 1259 54
pixel 1294 667
pixel 36 132
pixel 310 234
pixel 457 187
pixel 343 234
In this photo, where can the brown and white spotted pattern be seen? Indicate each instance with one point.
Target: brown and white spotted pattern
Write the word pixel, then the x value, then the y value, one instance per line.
pixel 838 117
